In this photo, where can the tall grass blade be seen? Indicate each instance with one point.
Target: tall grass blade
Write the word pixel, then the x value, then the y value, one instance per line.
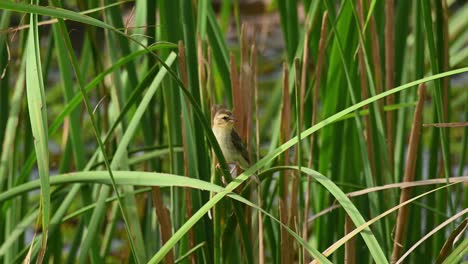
pixel 38 116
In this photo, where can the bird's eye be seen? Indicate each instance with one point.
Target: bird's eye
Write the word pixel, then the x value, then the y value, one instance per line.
pixel 225 117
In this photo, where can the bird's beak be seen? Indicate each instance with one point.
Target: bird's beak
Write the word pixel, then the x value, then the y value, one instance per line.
pixel 232 119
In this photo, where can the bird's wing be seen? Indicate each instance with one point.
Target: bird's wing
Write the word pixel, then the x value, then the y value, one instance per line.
pixel 237 142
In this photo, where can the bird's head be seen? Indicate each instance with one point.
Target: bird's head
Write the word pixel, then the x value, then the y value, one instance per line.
pixel 224 119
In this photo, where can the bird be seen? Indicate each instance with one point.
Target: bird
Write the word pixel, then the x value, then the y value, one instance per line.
pixel 229 140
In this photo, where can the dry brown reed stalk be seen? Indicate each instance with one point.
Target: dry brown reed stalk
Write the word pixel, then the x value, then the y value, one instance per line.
pixel 293 210
pixel 315 95
pixel 284 242
pixel 235 84
pixel 284 136
pixel 390 73
pixel 257 117
pixel 409 174
pixel 164 221
pixel 243 95
pixel 453 124
pixel 183 70
pixel 188 196
pixel 246 90
pixel 252 92
pixel 202 75
pixel 285 122
pixel 236 94
pixel 210 82
pixel 350 246
pixel 445 67
pixel 364 91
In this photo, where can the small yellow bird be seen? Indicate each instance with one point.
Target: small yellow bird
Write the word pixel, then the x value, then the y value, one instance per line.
pixel 228 139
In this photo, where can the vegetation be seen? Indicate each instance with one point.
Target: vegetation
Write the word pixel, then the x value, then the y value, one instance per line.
pixel 107 150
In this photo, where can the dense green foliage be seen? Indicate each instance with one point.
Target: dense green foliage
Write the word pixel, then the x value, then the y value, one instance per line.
pixel 108 155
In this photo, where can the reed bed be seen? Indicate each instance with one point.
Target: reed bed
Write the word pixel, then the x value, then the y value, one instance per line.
pixel 358 136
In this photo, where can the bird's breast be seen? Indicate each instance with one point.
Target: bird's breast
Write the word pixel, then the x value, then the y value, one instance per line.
pixel 225 143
